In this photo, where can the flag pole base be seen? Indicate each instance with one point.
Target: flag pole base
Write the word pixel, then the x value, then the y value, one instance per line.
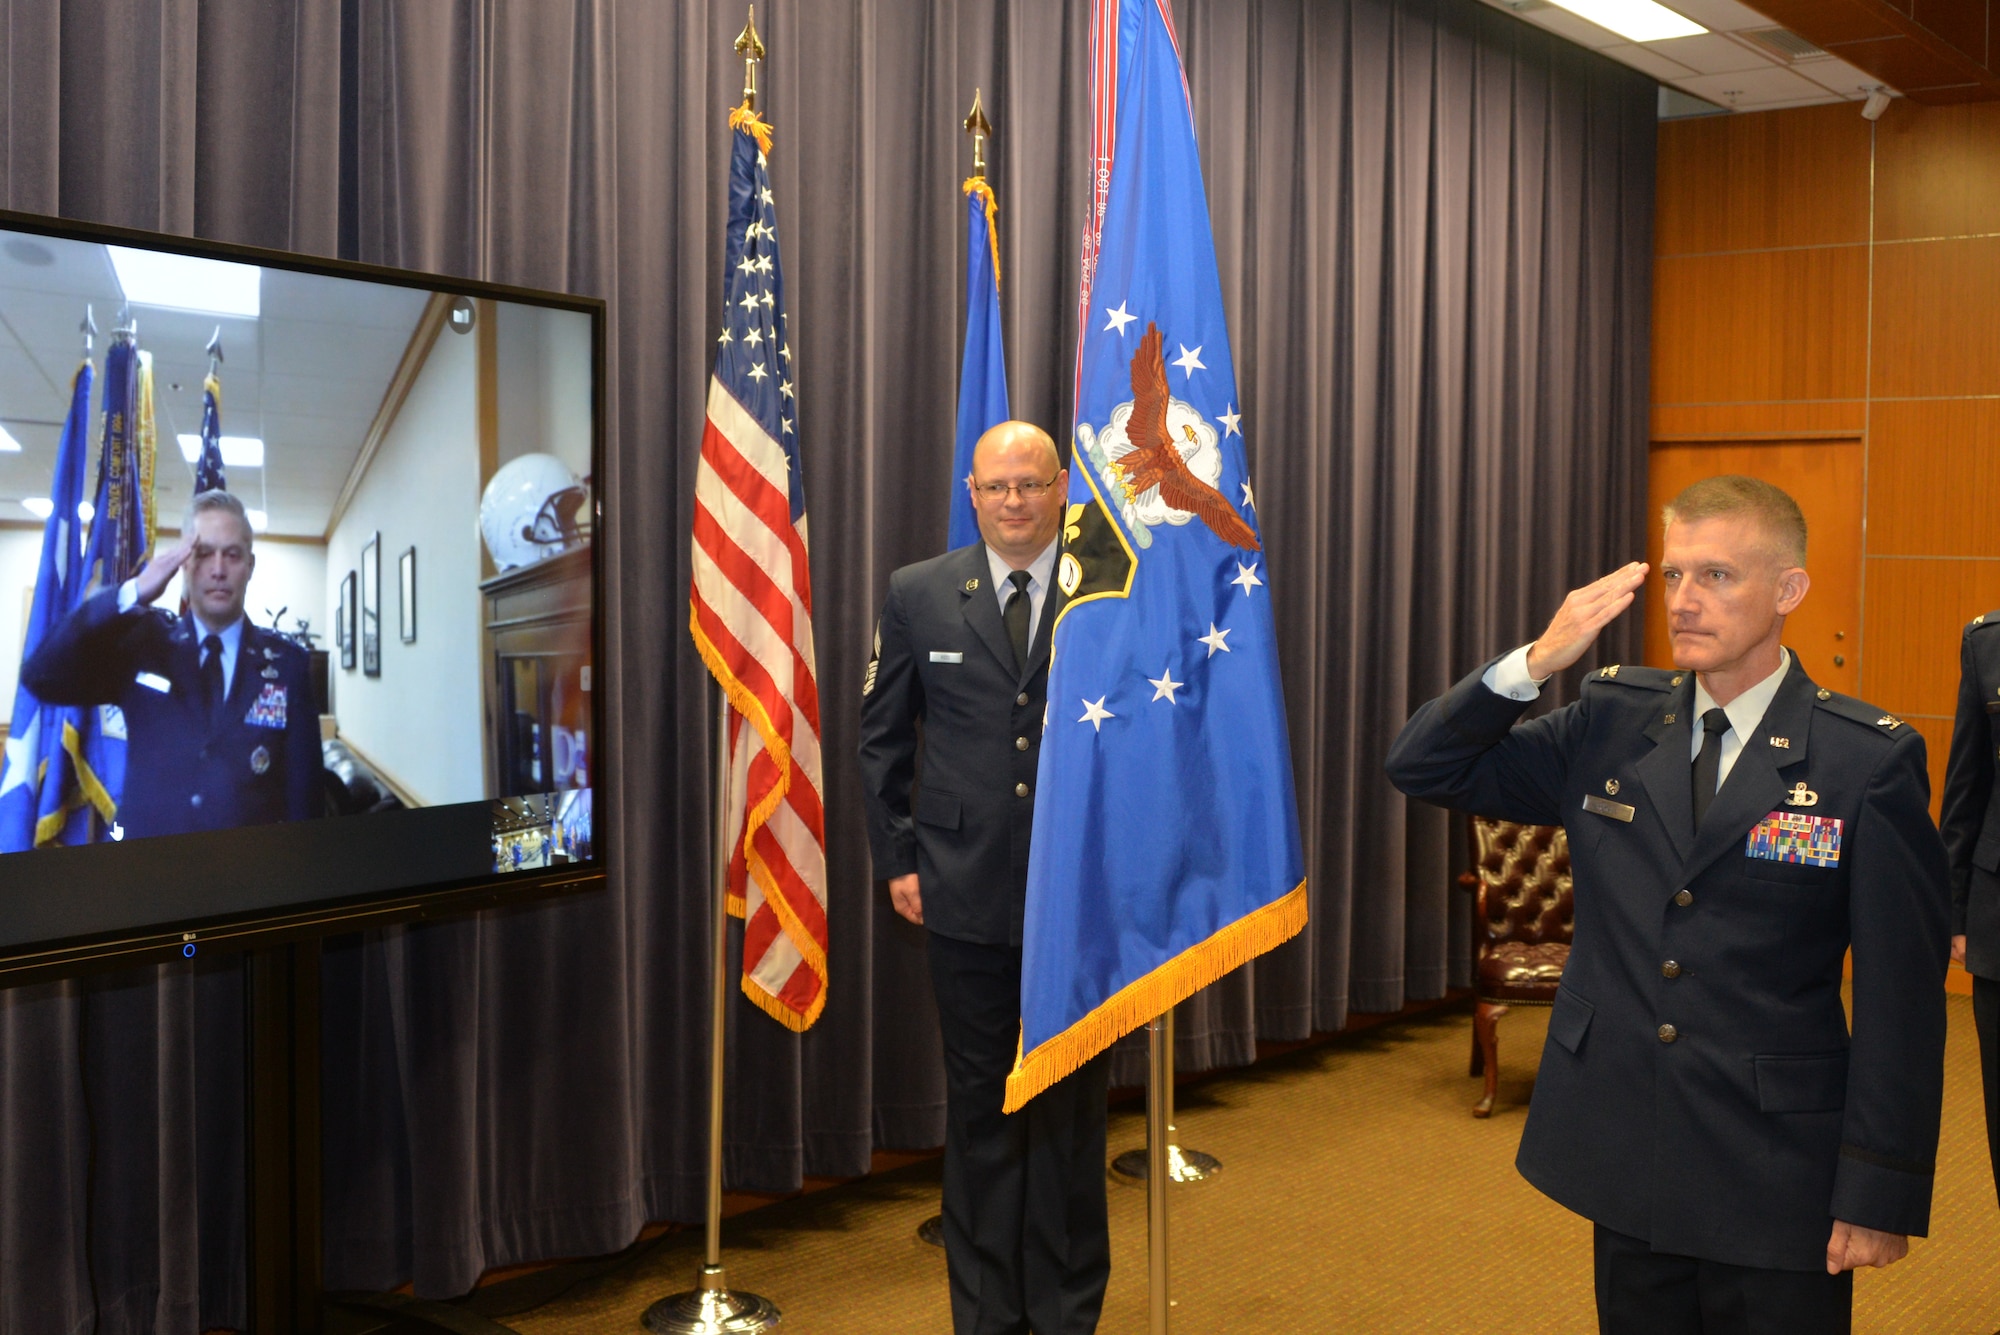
pixel 932 1231
pixel 1183 1165
pixel 711 1308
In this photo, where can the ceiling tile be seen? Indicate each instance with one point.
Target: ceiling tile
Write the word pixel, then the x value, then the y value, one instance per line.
pixel 1710 53
pixel 1765 87
pixel 1646 60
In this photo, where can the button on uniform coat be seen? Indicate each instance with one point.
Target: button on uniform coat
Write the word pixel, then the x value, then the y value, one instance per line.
pixel 942 656
pixel 1723 1112
pixel 256 761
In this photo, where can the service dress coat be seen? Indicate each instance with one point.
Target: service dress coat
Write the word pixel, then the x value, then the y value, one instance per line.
pixel 256 761
pixel 1700 1087
pixel 1971 818
pixel 942 658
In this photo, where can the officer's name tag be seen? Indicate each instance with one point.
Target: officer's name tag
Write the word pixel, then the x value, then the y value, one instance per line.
pixel 945 656
pixel 153 681
pixel 1605 807
pixel 268 710
pixel 1796 836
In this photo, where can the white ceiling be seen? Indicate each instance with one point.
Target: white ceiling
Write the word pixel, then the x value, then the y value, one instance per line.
pixel 307 376
pixel 1726 65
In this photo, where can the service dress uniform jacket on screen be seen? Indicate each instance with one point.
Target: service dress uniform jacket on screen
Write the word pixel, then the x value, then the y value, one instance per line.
pixel 256 762
pixel 1971 818
pixel 942 655
pixel 1699 1087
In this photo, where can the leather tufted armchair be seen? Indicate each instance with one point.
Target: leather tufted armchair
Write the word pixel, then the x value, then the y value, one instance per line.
pixel 1522 921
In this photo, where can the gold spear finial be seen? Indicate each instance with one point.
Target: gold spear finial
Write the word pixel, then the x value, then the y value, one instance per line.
pixel 751 48
pixel 981 130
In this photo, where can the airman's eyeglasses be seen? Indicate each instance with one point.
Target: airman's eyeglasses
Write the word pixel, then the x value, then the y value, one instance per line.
pixel 1030 491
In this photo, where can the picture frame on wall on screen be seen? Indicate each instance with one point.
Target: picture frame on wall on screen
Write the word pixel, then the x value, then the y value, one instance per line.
pixel 371 607
pixel 406 582
pixel 344 627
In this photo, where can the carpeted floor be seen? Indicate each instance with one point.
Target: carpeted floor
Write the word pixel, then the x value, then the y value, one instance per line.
pixel 1357 1194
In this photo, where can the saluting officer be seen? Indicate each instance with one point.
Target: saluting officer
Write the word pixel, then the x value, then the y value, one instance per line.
pixel 962 649
pixel 1733 829
pixel 219 720
pixel 1971 828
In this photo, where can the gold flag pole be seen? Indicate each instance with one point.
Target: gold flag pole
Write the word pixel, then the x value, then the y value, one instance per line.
pixel 712 1307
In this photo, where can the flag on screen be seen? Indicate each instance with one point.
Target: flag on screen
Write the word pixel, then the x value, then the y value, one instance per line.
pixel 982 377
pixel 121 538
pixel 1166 848
pixel 41 795
pixel 750 609
pixel 208 466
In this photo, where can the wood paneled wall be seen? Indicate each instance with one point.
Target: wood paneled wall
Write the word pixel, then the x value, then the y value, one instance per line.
pixel 1815 274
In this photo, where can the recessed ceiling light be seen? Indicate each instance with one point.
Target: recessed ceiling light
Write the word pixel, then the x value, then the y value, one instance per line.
pixel 237 451
pixel 1634 20
pixel 8 445
pixel 218 287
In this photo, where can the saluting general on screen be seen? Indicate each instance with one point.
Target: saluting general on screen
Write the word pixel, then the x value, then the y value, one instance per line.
pixel 220 728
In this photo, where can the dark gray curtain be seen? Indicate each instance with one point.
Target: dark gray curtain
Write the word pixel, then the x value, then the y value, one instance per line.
pixel 1434 229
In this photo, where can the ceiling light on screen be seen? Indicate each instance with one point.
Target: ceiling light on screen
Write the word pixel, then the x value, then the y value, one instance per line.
pixel 8 445
pixel 259 521
pixel 218 287
pixel 1634 20
pixel 41 507
pixel 237 451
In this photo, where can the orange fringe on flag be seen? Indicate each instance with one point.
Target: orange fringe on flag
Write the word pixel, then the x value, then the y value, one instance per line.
pixel 743 118
pixel 1154 994
pixel 976 185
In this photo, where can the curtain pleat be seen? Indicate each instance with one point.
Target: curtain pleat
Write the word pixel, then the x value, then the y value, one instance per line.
pixel 1434 230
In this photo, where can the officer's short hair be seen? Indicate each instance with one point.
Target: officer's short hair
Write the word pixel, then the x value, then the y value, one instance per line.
pixel 219 500
pixel 1730 494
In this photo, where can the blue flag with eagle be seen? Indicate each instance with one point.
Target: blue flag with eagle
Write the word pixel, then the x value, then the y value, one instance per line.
pixel 1166 845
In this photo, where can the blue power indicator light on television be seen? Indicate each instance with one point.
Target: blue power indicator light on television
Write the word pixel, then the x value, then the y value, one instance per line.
pixel 188 950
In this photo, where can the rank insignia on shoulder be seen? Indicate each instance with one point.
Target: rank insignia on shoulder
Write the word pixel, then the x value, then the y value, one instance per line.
pixel 1611 671
pixel 1979 620
pixel 1801 796
pixel 269 674
pixel 1889 721
pixel 260 760
pixel 1825 694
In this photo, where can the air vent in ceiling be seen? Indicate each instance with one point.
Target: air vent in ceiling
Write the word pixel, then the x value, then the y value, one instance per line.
pixel 1780 43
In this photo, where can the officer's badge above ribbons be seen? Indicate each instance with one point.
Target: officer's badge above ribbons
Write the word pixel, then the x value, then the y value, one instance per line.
pixel 1166 846
pixel 751 606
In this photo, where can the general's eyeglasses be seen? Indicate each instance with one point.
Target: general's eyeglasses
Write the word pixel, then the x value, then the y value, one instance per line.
pixel 997 491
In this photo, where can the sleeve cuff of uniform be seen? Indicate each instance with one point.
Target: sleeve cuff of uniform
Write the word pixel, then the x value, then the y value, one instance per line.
pixel 1509 677
pixel 128 595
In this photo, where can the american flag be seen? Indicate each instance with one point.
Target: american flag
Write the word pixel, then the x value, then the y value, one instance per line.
pixel 751 608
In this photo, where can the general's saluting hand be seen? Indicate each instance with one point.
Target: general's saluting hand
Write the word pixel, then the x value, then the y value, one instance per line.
pixel 1585 612
pixel 152 581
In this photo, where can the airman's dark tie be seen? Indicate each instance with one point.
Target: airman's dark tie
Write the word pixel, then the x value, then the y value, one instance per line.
pixel 1015 614
pixel 1708 765
pixel 211 675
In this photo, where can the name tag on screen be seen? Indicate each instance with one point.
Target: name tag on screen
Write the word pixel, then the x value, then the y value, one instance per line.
pixel 941 656
pixel 1794 836
pixel 153 681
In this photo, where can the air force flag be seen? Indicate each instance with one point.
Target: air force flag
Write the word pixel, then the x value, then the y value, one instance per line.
pixel 1166 844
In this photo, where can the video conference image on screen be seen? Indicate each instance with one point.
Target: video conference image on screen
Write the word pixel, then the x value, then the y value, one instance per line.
pixel 279 547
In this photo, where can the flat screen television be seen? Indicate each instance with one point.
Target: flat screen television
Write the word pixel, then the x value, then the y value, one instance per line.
pixel 301 602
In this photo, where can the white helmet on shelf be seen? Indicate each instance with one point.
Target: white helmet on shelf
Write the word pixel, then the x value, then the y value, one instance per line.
pixel 528 511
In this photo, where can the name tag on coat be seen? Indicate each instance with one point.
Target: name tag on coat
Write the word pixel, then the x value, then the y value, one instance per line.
pixel 153 681
pixel 945 656
pixel 1795 836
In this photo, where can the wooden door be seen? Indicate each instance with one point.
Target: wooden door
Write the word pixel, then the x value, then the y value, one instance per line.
pixel 1824 477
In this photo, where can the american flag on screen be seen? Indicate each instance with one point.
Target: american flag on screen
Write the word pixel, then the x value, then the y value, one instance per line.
pixel 751 608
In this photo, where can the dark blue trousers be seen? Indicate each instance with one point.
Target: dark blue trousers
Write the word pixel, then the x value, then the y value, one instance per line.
pixel 1644 1292
pixel 1026 1240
